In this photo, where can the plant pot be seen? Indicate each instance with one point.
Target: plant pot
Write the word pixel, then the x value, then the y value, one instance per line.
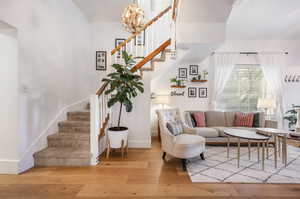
pixel 117 136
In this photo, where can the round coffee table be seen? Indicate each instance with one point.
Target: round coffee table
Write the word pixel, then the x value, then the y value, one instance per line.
pixel 250 136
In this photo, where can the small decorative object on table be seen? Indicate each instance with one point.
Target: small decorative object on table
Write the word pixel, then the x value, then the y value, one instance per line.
pixel 123 83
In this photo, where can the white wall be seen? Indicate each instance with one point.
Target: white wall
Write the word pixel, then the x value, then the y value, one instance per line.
pixel 161 86
pixel 56 64
pixel 138 121
pixel 9 106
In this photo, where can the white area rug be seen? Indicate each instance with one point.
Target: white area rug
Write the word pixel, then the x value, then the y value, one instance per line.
pixel 218 168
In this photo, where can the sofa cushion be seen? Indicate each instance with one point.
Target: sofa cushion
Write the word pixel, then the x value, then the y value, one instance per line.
pixel 215 118
pixel 220 130
pixel 199 118
pixel 256 120
pixel 206 132
pixel 262 121
pixel 243 119
pixel 193 121
pixel 175 128
pixel 229 118
pixel 188 117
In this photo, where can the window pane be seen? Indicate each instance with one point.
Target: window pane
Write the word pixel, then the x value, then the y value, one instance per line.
pixel 242 91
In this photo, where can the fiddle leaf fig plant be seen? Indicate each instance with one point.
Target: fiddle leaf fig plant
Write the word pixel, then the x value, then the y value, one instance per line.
pixel 124 85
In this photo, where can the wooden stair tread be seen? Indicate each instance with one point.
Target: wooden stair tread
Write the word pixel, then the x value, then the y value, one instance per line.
pixel 63 152
pixel 70 136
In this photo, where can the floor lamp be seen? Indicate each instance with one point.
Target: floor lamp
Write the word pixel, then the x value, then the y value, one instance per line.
pixel 164 100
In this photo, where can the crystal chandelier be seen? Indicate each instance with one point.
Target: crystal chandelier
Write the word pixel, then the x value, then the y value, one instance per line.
pixel 133 18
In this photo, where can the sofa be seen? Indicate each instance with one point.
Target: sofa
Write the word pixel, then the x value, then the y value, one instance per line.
pixel 217 122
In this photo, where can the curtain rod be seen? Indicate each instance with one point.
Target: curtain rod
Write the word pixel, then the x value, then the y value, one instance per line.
pixel 250 53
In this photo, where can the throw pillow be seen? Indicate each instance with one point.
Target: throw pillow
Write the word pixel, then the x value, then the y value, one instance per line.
pixel 175 128
pixel 256 120
pixel 243 119
pixel 200 119
pixel 193 120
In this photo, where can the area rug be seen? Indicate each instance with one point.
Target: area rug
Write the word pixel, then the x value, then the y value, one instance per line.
pixel 218 168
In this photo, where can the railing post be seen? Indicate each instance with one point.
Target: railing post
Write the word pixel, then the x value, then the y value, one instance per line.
pixel 94 128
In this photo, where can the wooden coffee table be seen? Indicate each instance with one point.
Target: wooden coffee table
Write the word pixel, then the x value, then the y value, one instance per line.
pixel 250 136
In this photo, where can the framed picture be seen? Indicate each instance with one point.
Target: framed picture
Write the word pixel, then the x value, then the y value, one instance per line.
pixel 202 92
pixel 192 92
pixel 101 60
pixel 119 53
pixel 182 73
pixel 193 69
pixel 140 39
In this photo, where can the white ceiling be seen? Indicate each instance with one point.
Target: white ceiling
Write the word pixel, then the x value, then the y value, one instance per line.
pixel 102 10
pixel 205 10
pixel 265 20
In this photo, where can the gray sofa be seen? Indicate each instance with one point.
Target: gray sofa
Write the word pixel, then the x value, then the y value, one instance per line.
pixel 217 122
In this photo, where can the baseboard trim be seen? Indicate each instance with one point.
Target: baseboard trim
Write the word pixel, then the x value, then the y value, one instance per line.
pixel 9 166
pixel 27 160
pixel 139 144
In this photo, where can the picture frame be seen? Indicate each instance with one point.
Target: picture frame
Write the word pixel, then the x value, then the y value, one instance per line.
pixel 194 69
pixel 202 92
pixel 101 60
pixel 182 73
pixel 192 92
pixel 118 41
pixel 140 39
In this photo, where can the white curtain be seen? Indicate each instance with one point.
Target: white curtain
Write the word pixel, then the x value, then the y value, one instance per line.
pixel 222 66
pixel 272 65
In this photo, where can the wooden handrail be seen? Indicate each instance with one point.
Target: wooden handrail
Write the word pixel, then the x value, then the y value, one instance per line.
pixel 144 28
pixel 151 55
pixel 175 9
pixel 141 63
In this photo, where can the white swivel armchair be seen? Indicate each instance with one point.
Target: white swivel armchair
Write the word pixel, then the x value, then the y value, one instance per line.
pixel 182 146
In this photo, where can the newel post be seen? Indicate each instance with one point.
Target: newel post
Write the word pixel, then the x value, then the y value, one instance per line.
pixel 94 128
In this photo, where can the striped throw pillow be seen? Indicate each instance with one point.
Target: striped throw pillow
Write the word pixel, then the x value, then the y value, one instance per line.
pixel 200 119
pixel 175 127
pixel 244 119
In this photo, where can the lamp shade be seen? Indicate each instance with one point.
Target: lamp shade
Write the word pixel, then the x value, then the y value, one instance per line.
pixel 266 103
pixel 162 99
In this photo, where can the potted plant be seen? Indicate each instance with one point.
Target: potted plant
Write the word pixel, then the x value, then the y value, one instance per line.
pixel 124 85
pixel 177 82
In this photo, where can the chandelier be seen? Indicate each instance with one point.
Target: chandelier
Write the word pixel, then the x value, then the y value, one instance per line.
pixel 133 18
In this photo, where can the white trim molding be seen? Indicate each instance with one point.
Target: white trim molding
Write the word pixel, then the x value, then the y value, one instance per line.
pixel 9 166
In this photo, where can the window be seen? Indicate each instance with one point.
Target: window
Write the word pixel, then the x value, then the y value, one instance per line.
pixel 242 91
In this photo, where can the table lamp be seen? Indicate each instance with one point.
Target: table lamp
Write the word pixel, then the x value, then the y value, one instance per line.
pixel 267 105
pixel 162 99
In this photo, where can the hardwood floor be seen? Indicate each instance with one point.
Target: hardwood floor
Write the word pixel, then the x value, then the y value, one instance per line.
pixel 142 175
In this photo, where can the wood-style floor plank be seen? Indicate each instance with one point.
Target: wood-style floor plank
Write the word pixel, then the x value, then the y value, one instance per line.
pixel 143 175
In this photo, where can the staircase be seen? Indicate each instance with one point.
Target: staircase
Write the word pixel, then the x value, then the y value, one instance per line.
pixel 82 137
pixel 71 145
